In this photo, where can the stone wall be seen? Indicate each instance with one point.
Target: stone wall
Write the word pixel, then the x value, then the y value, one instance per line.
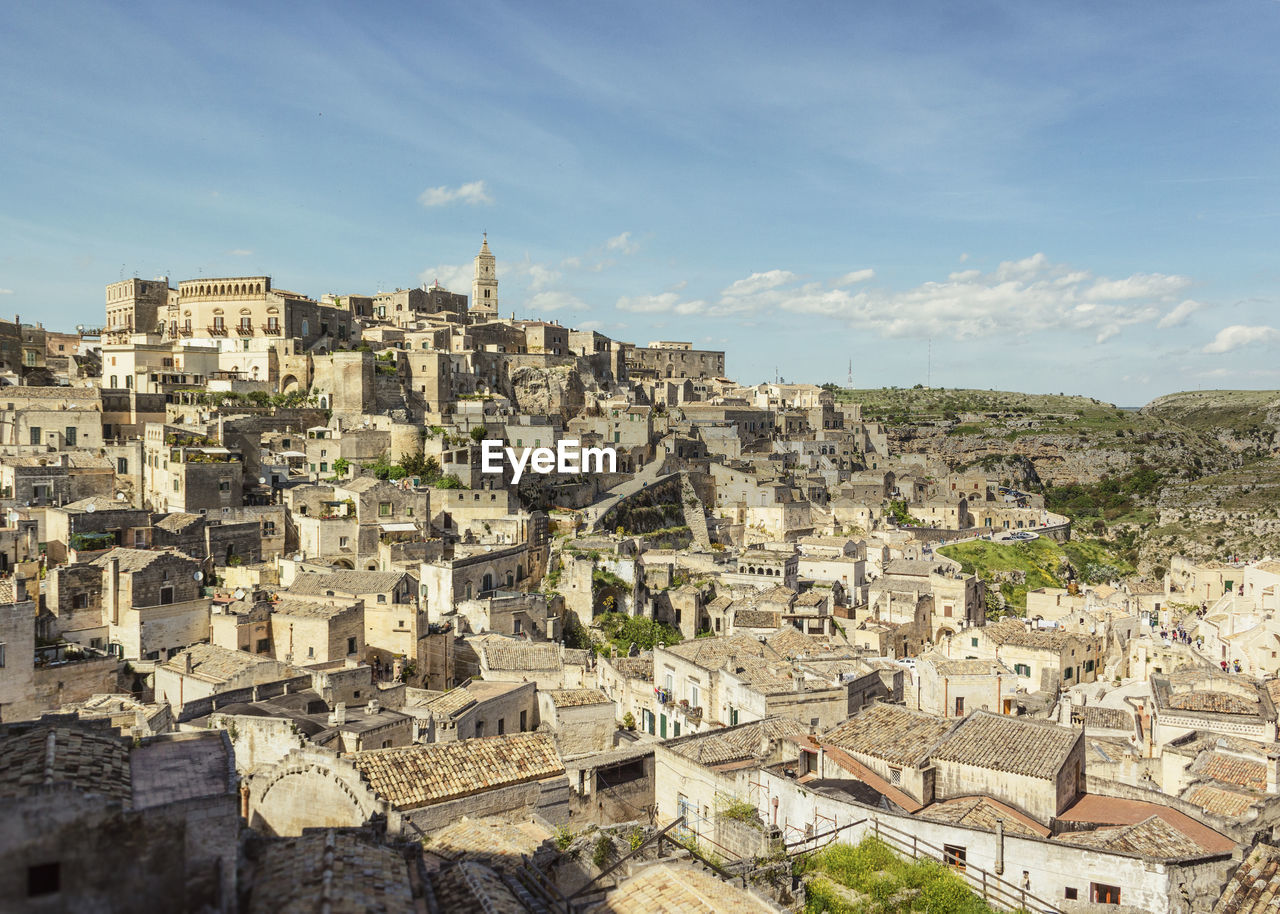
pixel 79 680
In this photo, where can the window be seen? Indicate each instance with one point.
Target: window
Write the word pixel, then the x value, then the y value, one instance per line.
pixel 479 729
pixel 954 855
pixel 264 645
pixel 175 485
pixel 219 323
pixel 733 717
pixel 1022 669
pixel 71 436
pixel 502 725
pixel 35 432
pixel 384 509
pixel 311 653
pixel 516 626
pixel 246 323
pixel 1 655
pixel 895 776
pixel 166 596
pixel 1068 672
pixel 382 598
pixel 973 642
pixel 80 601
pixel 1072 893
pixel 44 879
pixel 224 486
pixel 693 695
pixel 959 706
pixel 1101 893
pixel 342 542
pixel 122 466
pixel 351 645
pixel 524 721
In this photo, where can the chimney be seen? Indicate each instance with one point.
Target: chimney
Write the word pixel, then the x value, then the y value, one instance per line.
pixel 19 587
pixel 373 706
pixel 340 713
pixel 1273 773
pixel 186 662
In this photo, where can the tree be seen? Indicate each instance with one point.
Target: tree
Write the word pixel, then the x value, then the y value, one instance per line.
pixel 479 433
pixel 340 466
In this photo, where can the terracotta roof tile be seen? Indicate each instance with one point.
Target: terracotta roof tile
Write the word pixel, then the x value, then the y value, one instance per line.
pixel 1231 769
pixel 1152 837
pixel 1254 888
pixel 894 734
pixel 734 744
pixel 347 873
pixel 415 776
pixel 577 698
pixel 88 761
pixel 1035 749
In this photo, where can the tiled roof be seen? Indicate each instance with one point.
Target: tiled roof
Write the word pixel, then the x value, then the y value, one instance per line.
pixel 88 761
pixel 472 886
pixel 416 776
pixel 791 643
pixel 181 766
pixel 756 618
pixel 1035 749
pixel 711 653
pixel 982 812
pixel 577 698
pixel 634 667
pixel 1097 809
pixel 1096 718
pixel 1254 888
pixel 1012 631
pixel 1218 801
pixel 346 582
pixel 946 667
pixel 138 559
pixel 520 655
pixel 892 733
pixel 301 609
pixel 734 744
pixel 493 841
pixel 178 522
pixel 214 663
pixel 348 873
pixel 451 702
pixel 8 592
pixel 1152 837
pixel 911 567
pixel 1231 769
pixel 1215 702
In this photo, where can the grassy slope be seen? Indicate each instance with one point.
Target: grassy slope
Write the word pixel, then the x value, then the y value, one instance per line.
pixel 871 879
pixel 1042 561
pixel 1214 410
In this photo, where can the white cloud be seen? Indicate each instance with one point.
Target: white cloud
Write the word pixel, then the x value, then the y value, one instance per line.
pixel 622 244
pixel 857 276
pixel 239 252
pixel 540 277
pixel 6 291
pixel 591 325
pixel 553 301
pixel 1238 335
pixel 1018 297
pixel 660 304
pixel 758 282
pixel 1178 316
pixel 453 278
pixel 1139 285
pixel 471 194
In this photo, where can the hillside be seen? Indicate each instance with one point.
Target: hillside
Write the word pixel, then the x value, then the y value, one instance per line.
pixel 1187 473
pixel 1015 568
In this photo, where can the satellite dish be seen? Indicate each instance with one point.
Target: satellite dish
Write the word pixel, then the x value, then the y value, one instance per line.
pixel 198 576
pixel 90 508
pixel 239 594
pixel 262 480
pixel 297 556
pixel 119 496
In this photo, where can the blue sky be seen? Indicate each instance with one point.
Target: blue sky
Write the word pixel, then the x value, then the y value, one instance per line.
pixel 1075 197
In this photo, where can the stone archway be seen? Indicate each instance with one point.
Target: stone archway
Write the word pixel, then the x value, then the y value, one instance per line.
pixel 309 788
pixel 288 384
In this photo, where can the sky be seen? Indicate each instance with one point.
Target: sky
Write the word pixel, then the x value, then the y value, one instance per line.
pixel 1077 197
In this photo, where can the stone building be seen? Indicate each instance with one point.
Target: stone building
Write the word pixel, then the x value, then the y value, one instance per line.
pixel 152 602
pixel 110 821
pixel 417 788
pixel 582 720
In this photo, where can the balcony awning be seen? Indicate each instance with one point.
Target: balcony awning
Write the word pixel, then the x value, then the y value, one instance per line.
pixel 398 528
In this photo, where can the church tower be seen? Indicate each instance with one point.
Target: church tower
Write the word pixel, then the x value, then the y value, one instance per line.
pixel 484 288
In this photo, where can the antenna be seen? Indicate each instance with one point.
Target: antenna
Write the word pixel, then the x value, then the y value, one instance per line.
pixel 851 372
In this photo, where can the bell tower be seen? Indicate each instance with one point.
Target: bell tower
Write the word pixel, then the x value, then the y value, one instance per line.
pixel 484 288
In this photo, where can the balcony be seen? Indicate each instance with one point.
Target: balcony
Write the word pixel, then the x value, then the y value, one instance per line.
pixel 215 330
pixel 270 330
pixel 244 329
